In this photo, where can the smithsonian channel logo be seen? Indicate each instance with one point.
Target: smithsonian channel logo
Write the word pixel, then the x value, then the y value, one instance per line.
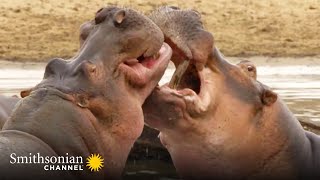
pixel 60 163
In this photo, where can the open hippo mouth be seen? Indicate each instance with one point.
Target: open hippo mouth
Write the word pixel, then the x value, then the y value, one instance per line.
pixel 186 77
pixel 187 88
pixel 187 95
pixel 139 70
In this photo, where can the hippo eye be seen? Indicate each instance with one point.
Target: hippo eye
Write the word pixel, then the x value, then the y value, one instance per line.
pixel 250 68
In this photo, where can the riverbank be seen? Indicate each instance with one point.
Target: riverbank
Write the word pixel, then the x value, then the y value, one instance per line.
pixel 38 30
pixel 257 60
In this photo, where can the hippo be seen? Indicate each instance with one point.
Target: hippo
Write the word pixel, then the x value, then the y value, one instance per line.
pixel 146 148
pixel 6 106
pixel 216 120
pixel 89 106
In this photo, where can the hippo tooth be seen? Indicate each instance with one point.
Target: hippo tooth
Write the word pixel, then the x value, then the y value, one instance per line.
pixel 131 62
pixel 177 75
pixel 156 56
pixel 189 98
pixel 176 94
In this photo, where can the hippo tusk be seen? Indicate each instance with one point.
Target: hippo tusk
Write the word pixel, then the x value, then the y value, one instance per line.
pixel 178 73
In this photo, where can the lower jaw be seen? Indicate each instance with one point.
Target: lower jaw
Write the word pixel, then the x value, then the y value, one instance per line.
pixel 134 78
pixel 144 74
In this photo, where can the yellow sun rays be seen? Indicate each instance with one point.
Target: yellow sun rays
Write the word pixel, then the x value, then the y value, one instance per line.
pixel 95 162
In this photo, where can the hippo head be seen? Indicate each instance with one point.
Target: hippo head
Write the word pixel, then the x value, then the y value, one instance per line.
pixel 213 101
pixel 121 50
pixel 121 59
pixel 208 82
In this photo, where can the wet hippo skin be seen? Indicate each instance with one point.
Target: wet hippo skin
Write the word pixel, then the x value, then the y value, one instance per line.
pixel 220 122
pixel 6 106
pixel 91 103
pixel 148 146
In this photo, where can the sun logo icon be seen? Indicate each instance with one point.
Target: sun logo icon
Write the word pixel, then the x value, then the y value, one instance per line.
pixel 95 162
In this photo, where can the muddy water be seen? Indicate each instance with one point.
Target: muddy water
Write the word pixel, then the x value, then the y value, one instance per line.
pixel 297 85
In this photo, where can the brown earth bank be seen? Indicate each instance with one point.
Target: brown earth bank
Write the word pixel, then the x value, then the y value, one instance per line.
pixel 37 30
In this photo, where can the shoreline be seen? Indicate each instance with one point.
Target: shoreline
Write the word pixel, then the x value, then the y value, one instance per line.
pixel 303 65
pixel 257 60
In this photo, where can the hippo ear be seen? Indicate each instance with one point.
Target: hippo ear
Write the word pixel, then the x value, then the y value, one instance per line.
pixel 119 16
pixel 25 93
pixel 86 69
pixel 89 69
pixel 268 97
pixel 82 101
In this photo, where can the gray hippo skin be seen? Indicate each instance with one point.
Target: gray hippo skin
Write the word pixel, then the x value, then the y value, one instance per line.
pixel 149 137
pixel 220 122
pixel 6 106
pixel 91 103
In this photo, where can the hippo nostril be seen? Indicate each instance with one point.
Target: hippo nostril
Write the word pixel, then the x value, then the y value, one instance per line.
pixel 100 16
pixel 174 7
pixel 99 10
pixel 197 13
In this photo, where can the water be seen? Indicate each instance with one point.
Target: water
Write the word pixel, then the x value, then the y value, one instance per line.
pixel 297 85
pixel 14 80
